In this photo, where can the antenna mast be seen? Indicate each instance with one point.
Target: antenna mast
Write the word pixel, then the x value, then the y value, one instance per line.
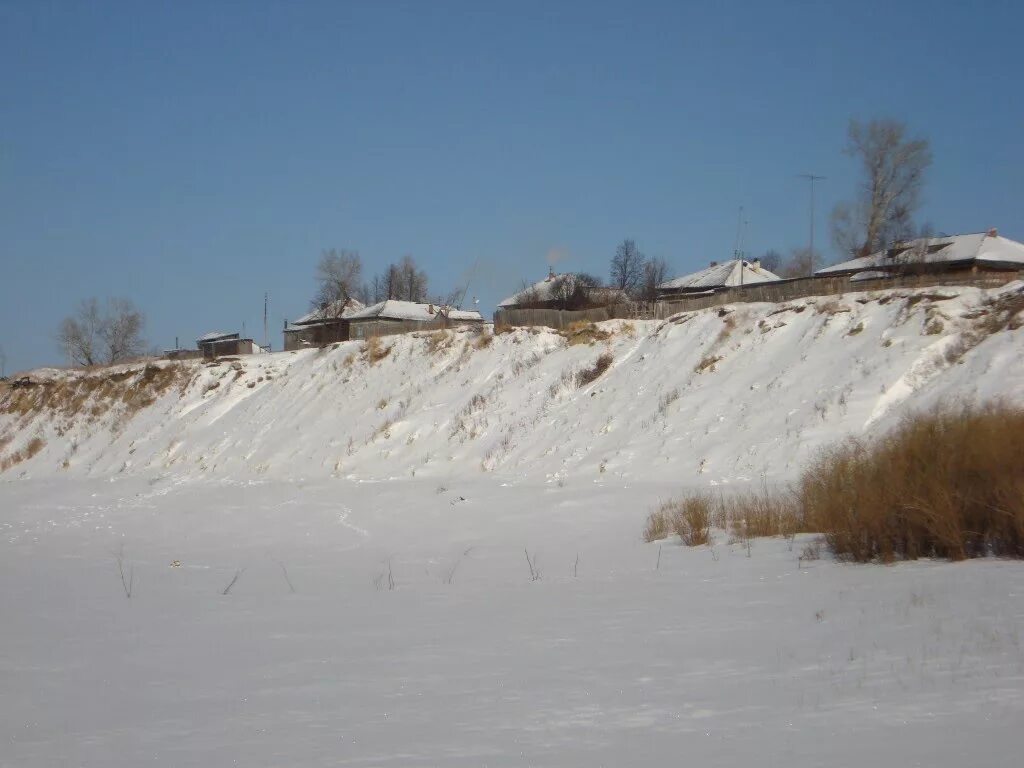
pixel 812 178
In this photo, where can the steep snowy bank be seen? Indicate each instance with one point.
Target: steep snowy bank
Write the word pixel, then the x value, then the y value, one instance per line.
pixel 715 396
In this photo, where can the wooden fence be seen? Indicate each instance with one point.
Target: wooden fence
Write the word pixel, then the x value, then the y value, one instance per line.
pixel 774 292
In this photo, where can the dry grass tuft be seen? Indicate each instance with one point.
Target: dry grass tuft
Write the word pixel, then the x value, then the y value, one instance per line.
pixel 34 446
pixel 585 333
pixel 946 483
pixel 483 339
pixel 706 363
pixel 374 350
pixel 438 341
pixel 592 374
pixel 762 513
pixel 658 525
pixel 689 518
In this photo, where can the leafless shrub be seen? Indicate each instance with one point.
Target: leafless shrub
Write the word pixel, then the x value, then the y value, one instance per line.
pixel 658 525
pixel 944 483
pixel 691 520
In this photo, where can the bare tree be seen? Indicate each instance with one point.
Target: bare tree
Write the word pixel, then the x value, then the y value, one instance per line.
pixel 122 331
pixel 3 364
pixel 627 267
pixel 93 335
pixel 80 334
pixel 894 168
pixel 413 281
pixel 771 260
pixel 572 289
pixel 654 273
pixel 801 263
pixel 338 275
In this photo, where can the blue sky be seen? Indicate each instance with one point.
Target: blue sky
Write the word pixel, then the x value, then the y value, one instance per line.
pixel 191 156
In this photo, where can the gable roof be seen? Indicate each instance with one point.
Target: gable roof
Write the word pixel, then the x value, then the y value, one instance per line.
pixel 543 291
pixel 340 309
pixel 985 247
pixel 725 275
pixel 539 291
pixel 206 338
pixel 393 309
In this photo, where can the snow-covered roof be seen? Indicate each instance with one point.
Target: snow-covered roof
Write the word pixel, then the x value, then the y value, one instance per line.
pixel 727 274
pixel 393 309
pixel 544 291
pixel 215 336
pixel 337 309
pixel 987 247
pixel 541 291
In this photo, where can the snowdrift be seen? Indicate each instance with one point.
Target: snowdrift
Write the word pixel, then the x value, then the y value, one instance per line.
pixel 724 395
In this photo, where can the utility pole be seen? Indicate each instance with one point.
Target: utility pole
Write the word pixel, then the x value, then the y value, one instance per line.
pixel 812 178
pixel 741 227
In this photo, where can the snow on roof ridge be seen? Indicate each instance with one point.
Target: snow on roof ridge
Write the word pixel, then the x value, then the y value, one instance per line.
pixel 726 273
pixel 988 246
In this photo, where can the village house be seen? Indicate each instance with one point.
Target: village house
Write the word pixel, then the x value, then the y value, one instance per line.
pixel 734 273
pixel 964 256
pixel 565 291
pixel 220 344
pixel 392 316
pixel 327 324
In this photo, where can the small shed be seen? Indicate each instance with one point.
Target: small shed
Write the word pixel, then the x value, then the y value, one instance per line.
pixel 734 273
pixel 392 316
pixel 325 325
pixel 956 255
pixel 219 344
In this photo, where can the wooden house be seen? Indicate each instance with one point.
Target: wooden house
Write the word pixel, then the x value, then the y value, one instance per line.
pixel 734 273
pixel 967 256
pixel 325 325
pixel 390 317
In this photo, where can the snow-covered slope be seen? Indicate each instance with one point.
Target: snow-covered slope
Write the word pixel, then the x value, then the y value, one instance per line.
pixel 715 396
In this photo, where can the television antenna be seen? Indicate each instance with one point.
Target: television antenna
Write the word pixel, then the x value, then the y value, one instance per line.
pixel 811 178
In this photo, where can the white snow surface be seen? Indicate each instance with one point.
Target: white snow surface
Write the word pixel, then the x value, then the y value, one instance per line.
pixel 374 524
pixel 786 380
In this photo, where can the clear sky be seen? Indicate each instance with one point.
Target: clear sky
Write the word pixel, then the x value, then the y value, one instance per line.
pixel 191 156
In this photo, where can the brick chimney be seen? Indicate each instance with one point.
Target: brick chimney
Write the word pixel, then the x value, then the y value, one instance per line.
pixel 993 232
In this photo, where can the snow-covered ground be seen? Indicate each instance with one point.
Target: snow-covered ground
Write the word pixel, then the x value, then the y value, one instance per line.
pixel 709 657
pixel 715 397
pixel 375 527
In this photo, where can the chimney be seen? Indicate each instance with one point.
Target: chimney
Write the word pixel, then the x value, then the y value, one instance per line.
pixel 551 274
pixel 993 232
pixel 757 264
pixel 714 263
pixel 430 308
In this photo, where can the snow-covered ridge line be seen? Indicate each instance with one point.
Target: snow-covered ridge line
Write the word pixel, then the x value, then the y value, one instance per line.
pixel 716 396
